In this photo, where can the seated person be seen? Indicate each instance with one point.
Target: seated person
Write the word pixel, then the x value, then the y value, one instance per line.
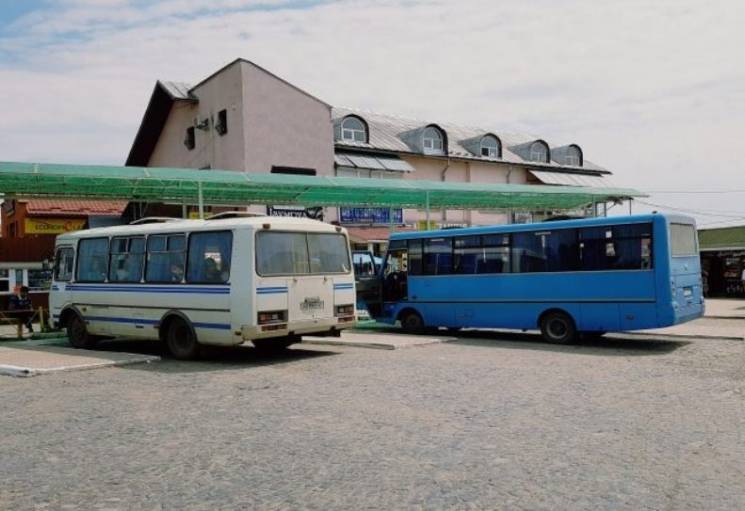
pixel 177 272
pixel 21 301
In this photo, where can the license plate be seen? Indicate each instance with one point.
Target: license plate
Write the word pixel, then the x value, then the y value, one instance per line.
pixel 687 292
pixel 311 304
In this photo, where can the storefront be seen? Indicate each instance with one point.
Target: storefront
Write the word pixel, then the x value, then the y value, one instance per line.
pixel 29 229
pixel 723 261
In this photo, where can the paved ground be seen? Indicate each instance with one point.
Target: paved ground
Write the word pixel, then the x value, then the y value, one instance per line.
pixel 502 421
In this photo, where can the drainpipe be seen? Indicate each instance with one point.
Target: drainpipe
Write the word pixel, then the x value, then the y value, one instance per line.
pixel 443 172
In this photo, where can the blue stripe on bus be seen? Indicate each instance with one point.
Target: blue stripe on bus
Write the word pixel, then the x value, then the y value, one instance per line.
pixel 343 286
pixel 142 321
pixel 270 290
pixel 152 289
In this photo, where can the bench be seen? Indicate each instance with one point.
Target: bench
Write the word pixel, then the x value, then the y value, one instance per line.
pixel 17 317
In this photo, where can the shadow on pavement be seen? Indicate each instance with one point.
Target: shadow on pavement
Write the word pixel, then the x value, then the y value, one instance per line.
pixel 605 346
pixel 213 358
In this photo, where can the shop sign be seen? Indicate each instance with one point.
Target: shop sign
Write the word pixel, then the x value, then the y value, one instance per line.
pixel 53 225
pixel 370 216
pixel 295 212
pixel 421 225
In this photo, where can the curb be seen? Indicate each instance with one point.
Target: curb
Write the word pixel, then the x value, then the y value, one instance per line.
pixel 682 336
pixel 25 372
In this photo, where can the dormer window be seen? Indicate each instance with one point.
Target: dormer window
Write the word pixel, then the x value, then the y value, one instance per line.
pixel 538 152
pixel 573 156
pixel 432 141
pixel 353 130
pixel 490 147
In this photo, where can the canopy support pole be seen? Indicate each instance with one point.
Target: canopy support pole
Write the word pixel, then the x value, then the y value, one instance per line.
pixel 201 200
pixel 426 196
pixel 183 208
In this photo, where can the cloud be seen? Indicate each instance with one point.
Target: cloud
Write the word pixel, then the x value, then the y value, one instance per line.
pixel 650 90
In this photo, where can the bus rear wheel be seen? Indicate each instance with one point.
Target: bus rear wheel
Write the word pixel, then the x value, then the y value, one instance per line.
pixel 77 333
pixel 412 322
pixel 558 327
pixel 181 340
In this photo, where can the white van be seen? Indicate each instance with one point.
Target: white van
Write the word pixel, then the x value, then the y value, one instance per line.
pixel 220 281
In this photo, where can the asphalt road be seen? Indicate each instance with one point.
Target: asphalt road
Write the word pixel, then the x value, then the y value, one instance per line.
pixel 494 423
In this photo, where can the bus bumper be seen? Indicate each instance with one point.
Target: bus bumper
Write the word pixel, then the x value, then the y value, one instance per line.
pixel 324 325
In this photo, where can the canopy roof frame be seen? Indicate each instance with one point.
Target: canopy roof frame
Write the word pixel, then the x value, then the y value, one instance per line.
pixel 225 187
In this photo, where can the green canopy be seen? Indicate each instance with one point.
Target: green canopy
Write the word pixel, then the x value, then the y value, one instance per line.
pixel 224 187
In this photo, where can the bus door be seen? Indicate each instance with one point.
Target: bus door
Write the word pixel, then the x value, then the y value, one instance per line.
pixel 59 295
pixel 395 273
pixel 367 280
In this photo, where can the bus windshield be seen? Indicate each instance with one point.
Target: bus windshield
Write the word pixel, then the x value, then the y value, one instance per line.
pixel 683 240
pixel 299 253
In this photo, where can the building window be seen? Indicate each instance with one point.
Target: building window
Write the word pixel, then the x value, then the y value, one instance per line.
pixel 4 281
pixel 190 140
pixel 293 171
pixel 221 127
pixel 432 141
pixel 490 147
pixel 574 156
pixel 39 280
pixel 353 129
pixel 539 152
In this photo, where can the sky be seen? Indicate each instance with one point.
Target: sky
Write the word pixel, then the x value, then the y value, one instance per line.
pixel 653 91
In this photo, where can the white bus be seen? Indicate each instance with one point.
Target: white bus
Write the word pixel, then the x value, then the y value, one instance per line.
pixel 220 281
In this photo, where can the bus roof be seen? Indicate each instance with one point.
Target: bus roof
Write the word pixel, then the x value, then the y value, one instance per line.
pixel 179 225
pixel 546 226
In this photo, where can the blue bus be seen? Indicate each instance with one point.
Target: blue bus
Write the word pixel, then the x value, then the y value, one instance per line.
pixel 566 277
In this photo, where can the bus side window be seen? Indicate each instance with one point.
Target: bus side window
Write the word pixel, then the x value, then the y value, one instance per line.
pixel 165 258
pixel 63 264
pixel 209 257
pixel 93 259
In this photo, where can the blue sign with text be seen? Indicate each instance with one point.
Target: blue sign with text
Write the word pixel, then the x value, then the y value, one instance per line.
pixel 370 216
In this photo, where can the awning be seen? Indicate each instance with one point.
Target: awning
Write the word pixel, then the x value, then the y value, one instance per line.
pixel 372 162
pixel 225 187
pixel 570 179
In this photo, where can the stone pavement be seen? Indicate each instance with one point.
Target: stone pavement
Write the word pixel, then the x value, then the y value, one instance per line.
pixel 379 338
pixel 725 308
pixel 703 328
pixel 31 358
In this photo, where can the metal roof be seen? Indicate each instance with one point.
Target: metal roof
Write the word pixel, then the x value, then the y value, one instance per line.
pixel 178 90
pixel 385 133
pixel 71 207
pixel 238 188
pixel 571 179
pixel 372 162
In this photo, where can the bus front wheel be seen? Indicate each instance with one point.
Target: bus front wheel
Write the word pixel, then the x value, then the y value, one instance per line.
pixel 181 340
pixel 558 327
pixel 78 335
pixel 412 322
